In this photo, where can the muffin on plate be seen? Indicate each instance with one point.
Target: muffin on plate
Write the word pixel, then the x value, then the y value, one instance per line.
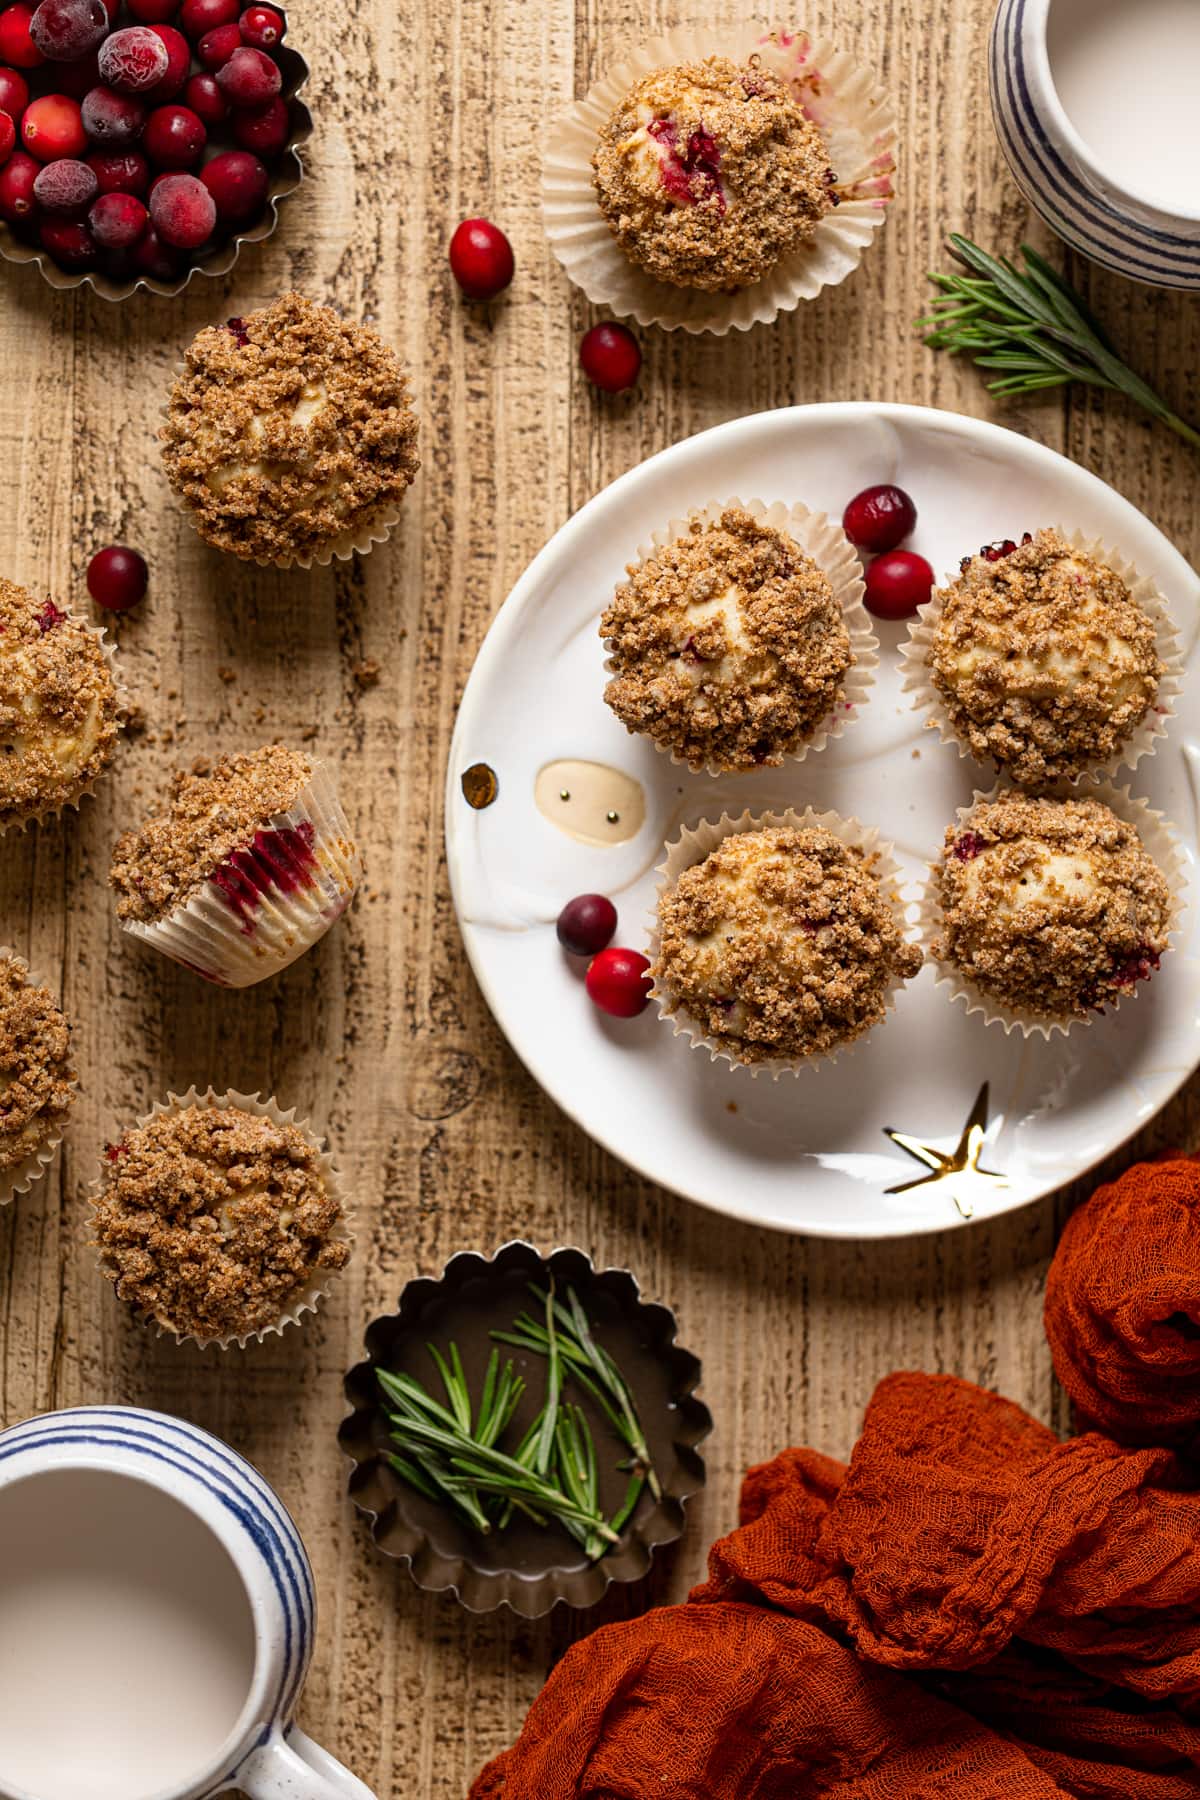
pixel 1050 908
pixel 1043 659
pixel 781 945
pixel 709 174
pixel 289 435
pixel 728 646
pixel 58 707
pixel 37 1080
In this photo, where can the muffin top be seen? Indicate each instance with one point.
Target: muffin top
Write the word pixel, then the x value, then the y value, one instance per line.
pixel 288 428
pixel 781 943
pixel 728 646
pixel 1045 661
pixel 214 1221
pixel 709 173
pixel 36 1078
pixel 58 706
pixel 209 818
pixel 1053 907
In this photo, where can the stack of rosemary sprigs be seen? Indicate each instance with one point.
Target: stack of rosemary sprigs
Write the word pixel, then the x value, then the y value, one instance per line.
pixel 450 1450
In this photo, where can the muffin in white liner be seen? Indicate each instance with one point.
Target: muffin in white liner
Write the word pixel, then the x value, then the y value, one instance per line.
pixel 42 1134
pixel 855 116
pixel 266 901
pixel 304 1297
pixel 828 547
pixel 1142 739
pixel 696 843
pixel 1157 838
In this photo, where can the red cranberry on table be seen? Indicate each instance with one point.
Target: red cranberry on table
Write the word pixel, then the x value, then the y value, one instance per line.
pixel 17 204
pixel 17 48
pixel 53 127
pixel 198 16
pixel 262 27
pixel 879 518
pixel 69 242
pixel 128 174
pixel 238 183
pixel 216 47
pixel 263 129
pixel 117 578
pixel 249 78
pixel 113 120
pixel 586 924
pixel 898 583
pixel 481 259
pixel 179 61
pixel 14 94
pixel 205 99
pixel 65 186
pixel 66 29
pixel 611 357
pixel 8 137
pixel 174 137
pixel 134 60
pixel 618 982
pixel 183 211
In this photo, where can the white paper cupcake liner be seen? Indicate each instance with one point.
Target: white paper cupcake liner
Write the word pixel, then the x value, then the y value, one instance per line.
pixel 852 110
pixel 1158 838
pixel 694 844
pixel 308 1298
pixel 829 547
pixel 22 1176
pixel 236 943
pixel 47 813
pixel 915 654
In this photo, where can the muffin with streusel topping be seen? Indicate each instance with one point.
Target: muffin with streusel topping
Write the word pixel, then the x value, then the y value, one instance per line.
pixel 37 1079
pixel 710 173
pixel 289 435
pixel 58 707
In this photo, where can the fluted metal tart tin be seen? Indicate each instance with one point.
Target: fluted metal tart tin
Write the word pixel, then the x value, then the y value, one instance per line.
pixel 524 1567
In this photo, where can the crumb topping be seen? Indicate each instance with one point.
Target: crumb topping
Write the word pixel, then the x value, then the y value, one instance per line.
pixel 728 645
pixel 58 706
pixel 709 173
pixel 210 813
pixel 36 1076
pixel 288 431
pixel 781 943
pixel 1045 661
pixel 213 1220
pixel 1054 907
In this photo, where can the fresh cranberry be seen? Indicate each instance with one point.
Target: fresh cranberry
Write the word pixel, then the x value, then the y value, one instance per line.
pixel 65 186
pixel 216 47
pixel 586 924
pixel 879 518
pixel 134 60
pixel 14 94
pixel 206 99
pixel 111 119
pixel 153 12
pixel 150 256
pixel 611 357
pixel 128 174
pixel 17 204
pixel 618 982
pixel 8 138
pixel 183 211
pixel 898 582
pixel 117 578
pixel 481 259
pixel 262 27
pixel 53 127
pixel 117 221
pixel 199 16
pixel 263 129
pixel 69 242
pixel 179 61
pixel 174 137
pixel 238 183
pixel 249 78
pixel 17 48
pixel 66 29
pixel 77 79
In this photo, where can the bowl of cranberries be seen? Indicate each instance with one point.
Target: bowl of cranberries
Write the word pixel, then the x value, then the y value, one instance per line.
pixel 144 141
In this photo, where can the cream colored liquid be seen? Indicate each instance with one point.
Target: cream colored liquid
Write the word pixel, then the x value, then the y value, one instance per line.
pixel 592 802
pixel 1128 76
pixel 126 1640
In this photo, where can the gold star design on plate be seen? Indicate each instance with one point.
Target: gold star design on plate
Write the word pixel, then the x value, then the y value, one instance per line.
pixel 960 1167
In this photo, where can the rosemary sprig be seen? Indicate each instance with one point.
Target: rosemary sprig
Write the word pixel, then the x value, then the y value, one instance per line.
pixel 1034 328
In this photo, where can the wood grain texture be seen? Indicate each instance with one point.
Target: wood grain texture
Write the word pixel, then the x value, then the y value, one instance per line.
pixel 425 113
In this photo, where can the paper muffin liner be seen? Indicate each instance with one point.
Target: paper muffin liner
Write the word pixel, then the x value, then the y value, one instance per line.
pixel 307 1299
pixel 695 843
pixel 21 1177
pixel 915 653
pixel 1158 839
pixel 829 547
pixel 47 813
pixel 235 942
pixel 852 110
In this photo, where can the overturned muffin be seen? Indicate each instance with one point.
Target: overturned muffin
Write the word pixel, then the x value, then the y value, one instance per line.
pixel 781 945
pixel 37 1080
pixel 710 173
pixel 218 1223
pixel 289 433
pixel 727 647
pixel 1053 908
pixel 58 707
pixel 1043 658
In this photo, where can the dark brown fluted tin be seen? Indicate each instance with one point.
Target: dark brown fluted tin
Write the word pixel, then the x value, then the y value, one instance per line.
pixel 286 177
pixel 524 1567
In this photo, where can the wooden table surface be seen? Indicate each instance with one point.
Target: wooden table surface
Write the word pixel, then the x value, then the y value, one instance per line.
pixel 425 113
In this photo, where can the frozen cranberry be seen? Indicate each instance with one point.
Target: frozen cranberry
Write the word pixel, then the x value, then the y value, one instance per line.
pixel 17 48
pixel 134 60
pixel 174 137
pixel 238 183
pixel 113 120
pixel 69 242
pixel 117 221
pixel 216 47
pixel 586 924
pixel 199 16
pixel 898 582
pixel 14 94
pixel 611 357
pixel 879 518
pixel 53 127
pixel 150 256
pixel 117 578
pixel 17 204
pixel 65 186
pixel 66 29
pixel 206 99
pixel 263 129
pixel 179 61
pixel 183 211
pixel 618 982
pixel 153 12
pixel 481 259
pixel 77 79
pixel 249 78
pixel 128 174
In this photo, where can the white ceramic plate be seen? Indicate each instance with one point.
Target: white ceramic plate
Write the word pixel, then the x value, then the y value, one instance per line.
pixel 808 1153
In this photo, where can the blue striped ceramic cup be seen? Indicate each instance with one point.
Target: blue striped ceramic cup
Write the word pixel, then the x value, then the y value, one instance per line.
pixel 156 1618
pixel 1091 102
